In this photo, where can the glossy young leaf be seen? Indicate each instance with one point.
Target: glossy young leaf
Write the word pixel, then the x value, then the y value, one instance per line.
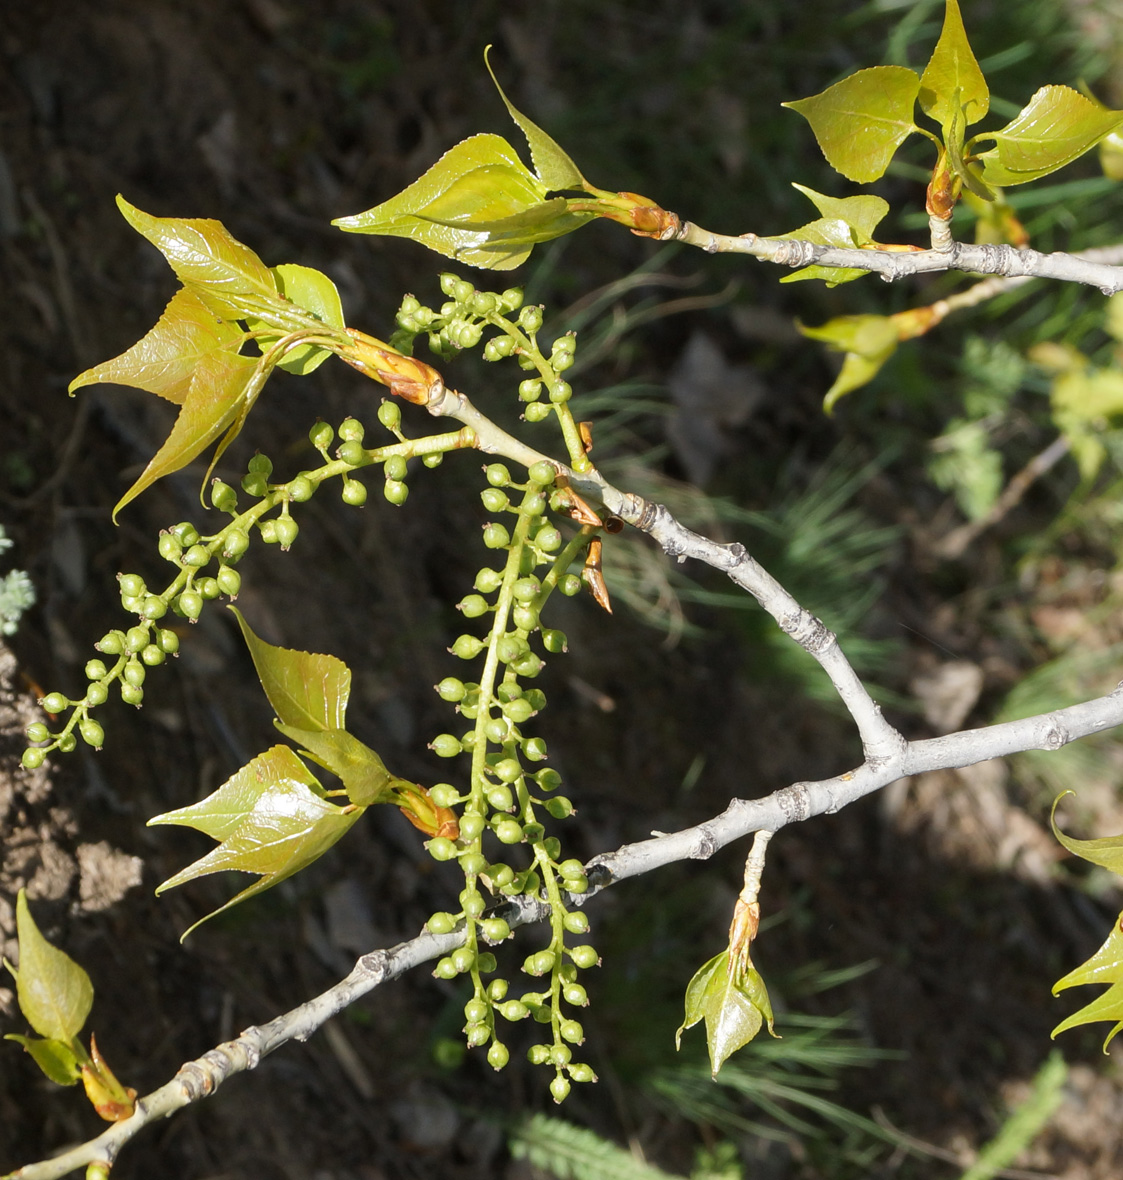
pixel 1058 125
pixel 862 120
pixel 54 993
pixel 554 167
pixel 1104 967
pixel 480 180
pixel 307 690
pixel 107 1096
pixel 56 1059
pixel 361 770
pixel 733 1003
pixel 163 362
pixel 552 218
pixel 1106 851
pixel 846 222
pixel 312 291
pixel 271 818
pixel 221 391
pixel 952 80
pixel 1108 1006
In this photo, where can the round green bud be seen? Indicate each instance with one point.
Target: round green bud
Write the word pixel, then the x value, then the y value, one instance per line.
pixel 534 750
pixel 442 848
pixel 527 665
pixel 511 299
pixel 261 465
pixel 409 305
pixel 92 733
pixel 488 581
pixel 352 453
pixel 168 641
pixel 580 1072
pixel 525 618
pixel 496 990
pixel 354 493
pixel 533 832
pixel 132 605
pixel 186 532
pixel 190 604
pixel 584 956
pixel 549 540
pixel 526 362
pixel 473 904
pixel 472 826
pixel 395 467
pixel 496 730
pixel 555 641
pixel 462 291
pixel 445 969
pixel 395 492
pixel 477 1035
pixel 235 543
pixel 476 1010
pixel 473 606
pixel 510 648
pixel 152 654
pixel 494 499
pixel 501 875
pixel 444 795
pixel 509 831
pixel 496 536
pixel 466 647
pixel 561 808
pixel 32 759
pixel 482 303
pixel 469 335
pixel 208 588
pixel 464 958
pixel 514 1010
pixel 134 673
pixel 287 530
pixel 530 319
pixel 560 362
pixel 577 884
pixel 301 489
pixel 95 670
pixel 570 585
pixel 530 390
pixel 509 770
pixel 563 391
pixel 444 745
pixel 538 411
pixel 576 995
pixel 37 732
pixel 571 867
pixel 351 430
pixel 223 496
pixel 169 547
pixel 131 585
pixel 539 963
pixel 534 504
pixel 498 347
pixel 196 557
pixel 135 639
pixel 495 929
pixel 112 643
pixel 572 1031
pixel 497 475
pixel 450 689
pixel 321 436
pixel 498 1055
pixel 472 863
pixel 526 589
pixel 390 415
pixel 560 1087
pixel 434 460
pixel 153 607
pixel 131 694
pixel 255 484
pixel 500 798
pixel 229 580
pixel 538 1054
pixel 96 694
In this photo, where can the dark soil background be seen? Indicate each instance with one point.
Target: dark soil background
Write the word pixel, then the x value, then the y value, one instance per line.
pixel 275 117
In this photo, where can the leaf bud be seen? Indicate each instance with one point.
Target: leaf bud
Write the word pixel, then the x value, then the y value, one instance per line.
pixel 354 493
pixel 321 436
pixel 538 411
pixel 395 491
pixel 444 745
pixel 498 1055
pixel 390 415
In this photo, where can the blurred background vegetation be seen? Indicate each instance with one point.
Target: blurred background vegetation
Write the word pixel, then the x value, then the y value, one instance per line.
pixel 912 939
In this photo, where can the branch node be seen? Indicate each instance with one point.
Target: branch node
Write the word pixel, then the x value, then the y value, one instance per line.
pixel 795 802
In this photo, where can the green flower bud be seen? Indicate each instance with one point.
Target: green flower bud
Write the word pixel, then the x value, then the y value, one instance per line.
pixel 444 795
pixel 92 733
pixel 261 465
pixel 463 958
pixel 559 1088
pixel 538 1054
pixel 469 335
pixel 169 547
pixel 500 798
pixel 112 643
pixel 496 536
pixel 584 957
pixel 562 391
pixel 67 743
pixel 472 826
pixel 510 648
pixel 509 831
pixel 476 1010
pixel 511 299
pixel 530 319
pixel 395 491
pixel 494 499
pixel 488 581
pixel 95 670
pixel 580 1072
pixel 32 759
pixel 444 745
pixel 472 863
pixel 498 1055
pixel 208 588
pixel 186 532
pixel 554 641
pixel 467 647
pixel 473 904
pixel 445 969
pixel 196 557
pixel 390 415
pixel 561 1055
pixel 575 994
pixel 498 347
pixel 572 1032
pixel 96 694
pixel 462 291
pixel 321 436
pixel 351 430
pixel 514 1010
pixel 433 460
pixel 538 411
pixel 496 730
pixel 525 618
pixel 135 639
pixel 497 475
pixel 496 990
pixel 495 929
pixel 37 732
pixel 134 673
pixel 223 497
pixel 255 484
pixel 539 963
pixel 352 453
pixel 168 641
pixel 530 390
pixel 190 604
pixel 441 848
pixel 450 689
pixel 354 493
pixel 561 808
pixel 534 750
pixel 153 607
pixel 235 543
pixel 486 963
pixel 287 530
pixel 509 770
pixel 501 875
pixel 152 655
pixel 131 694
pixel 473 606
pixel 301 489
pixel 527 666
pixel 229 580
pixel 549 540
pixel 131 585
pixel 570 585
pixel 395 467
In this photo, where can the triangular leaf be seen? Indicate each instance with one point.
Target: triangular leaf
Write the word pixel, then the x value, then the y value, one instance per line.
pixel 554 167
pixel 54 993
pixel 481 179
pixel 846 222
pixel 696 991
pixel 1109 1006
pixel 734 1004
pixel 221 389
pixel 1105 966
pixel 56 1059
pixel 362 771
pixel 307 690
pixel 1058 125
pixel 203 253
pixel 271 818
pixel 868 341
pixel 164 361
pixel 862 120
pixel 863 213
pixel 312 291
pixel 1107 851
pixel 952 80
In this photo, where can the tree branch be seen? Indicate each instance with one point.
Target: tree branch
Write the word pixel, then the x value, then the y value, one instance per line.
pixel 200 1078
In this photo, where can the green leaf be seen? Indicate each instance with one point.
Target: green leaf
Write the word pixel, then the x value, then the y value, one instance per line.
pixel 271 818
pixel 952 81
pixel 1105 966
pixel 480 180
pixel 868 341
pixel 203 253
pixel 863 214
pixel 846 222
pixel 1108 1006
pixel 734 1005
pixel 1058 125
pixel 1083 402
pixel 307 690
pixel 362 771
pixel 56 1059
pixel 312 291
pixel 164 361
pixel 554 167
pixel 862 120
pixel 54 993
pixel 220 393
pixel 1107 851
